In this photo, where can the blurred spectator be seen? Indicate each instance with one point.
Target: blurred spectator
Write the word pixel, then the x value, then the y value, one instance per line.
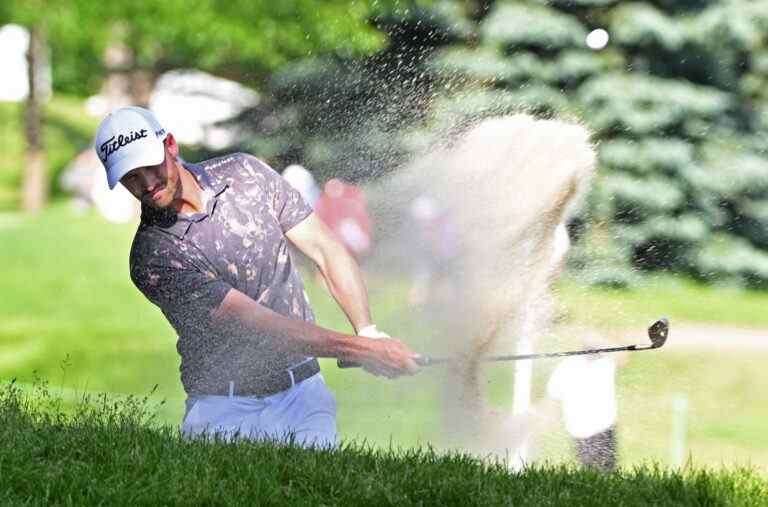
pixel 434 246
pixel 343 208
pixel 87 182
pixel 586 388
pixel 303 181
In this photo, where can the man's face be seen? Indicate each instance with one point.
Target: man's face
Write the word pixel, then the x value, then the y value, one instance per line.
pixel 156 186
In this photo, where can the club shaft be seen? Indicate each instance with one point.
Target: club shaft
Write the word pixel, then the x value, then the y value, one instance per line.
pixel 657 333
pixel 429 361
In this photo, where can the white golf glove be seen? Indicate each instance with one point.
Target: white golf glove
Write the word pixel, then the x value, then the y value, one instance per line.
pixel 372 332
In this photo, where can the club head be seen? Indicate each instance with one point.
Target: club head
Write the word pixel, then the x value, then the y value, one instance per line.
pixel 658 333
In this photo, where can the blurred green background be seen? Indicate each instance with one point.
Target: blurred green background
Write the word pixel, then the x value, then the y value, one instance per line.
pixel 71 315
pixel 675 223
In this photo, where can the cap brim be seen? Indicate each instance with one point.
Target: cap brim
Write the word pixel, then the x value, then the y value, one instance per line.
pixel 128 164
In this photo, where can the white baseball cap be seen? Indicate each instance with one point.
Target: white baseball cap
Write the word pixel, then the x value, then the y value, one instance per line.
pixel 128 138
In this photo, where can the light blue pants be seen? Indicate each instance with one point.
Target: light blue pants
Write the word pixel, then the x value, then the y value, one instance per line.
pixel 304 414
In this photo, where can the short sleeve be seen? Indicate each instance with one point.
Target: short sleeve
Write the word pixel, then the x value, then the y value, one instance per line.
pixel 289 206
pixel 176 285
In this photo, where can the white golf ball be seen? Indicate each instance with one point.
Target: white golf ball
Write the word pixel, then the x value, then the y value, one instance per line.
pixel 597 39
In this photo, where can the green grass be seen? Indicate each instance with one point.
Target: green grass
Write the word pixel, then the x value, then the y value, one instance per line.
pixel 67 130
pixel 112 453
pixel 68 294
pixel 70 313
pixel 681 299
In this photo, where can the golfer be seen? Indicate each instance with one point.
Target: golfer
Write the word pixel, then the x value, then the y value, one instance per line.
pixel 211 253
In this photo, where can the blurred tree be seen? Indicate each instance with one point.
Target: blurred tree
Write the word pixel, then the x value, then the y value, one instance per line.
pixel 682 160
pixel 677 100
pixel 240 39
pixel 34 180
pixel 342 115
pixel 35 186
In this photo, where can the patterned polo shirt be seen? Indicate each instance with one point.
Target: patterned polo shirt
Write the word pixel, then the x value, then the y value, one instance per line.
pixel 186 264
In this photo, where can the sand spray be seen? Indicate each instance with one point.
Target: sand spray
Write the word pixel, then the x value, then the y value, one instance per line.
pixel 506 183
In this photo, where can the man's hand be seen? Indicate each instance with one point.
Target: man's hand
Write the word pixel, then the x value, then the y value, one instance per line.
pixel 390 358
pixel 395 354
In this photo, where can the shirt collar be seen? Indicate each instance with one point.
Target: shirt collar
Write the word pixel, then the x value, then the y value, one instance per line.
pixel 204 179
pixel 167 220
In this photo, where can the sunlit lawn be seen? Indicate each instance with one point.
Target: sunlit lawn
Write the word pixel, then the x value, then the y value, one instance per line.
pixel 69 312
pixel 680 299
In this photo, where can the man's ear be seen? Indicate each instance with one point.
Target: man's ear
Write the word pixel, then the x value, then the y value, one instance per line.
pixel 170 143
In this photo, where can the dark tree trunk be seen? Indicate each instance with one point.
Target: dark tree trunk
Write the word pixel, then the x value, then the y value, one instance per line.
pixel 127 83
pixel 35 181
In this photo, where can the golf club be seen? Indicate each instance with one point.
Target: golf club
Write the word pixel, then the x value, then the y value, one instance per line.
pixel 657 332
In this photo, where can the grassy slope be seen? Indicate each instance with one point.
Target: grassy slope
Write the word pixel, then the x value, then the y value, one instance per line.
pixel 110 455
pixel 67 294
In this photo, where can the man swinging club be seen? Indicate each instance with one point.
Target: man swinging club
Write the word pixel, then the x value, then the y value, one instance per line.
pixel 211 253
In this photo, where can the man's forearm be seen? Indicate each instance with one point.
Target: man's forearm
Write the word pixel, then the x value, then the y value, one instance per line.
pixel 338 267
pixel 345 281
pixel 239 315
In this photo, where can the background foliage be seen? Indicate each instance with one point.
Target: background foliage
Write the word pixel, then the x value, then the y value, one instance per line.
pixel 677 103
pixel 242 39
pixel 677 100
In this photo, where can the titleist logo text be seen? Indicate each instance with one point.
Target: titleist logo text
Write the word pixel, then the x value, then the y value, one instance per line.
pixel 113 144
